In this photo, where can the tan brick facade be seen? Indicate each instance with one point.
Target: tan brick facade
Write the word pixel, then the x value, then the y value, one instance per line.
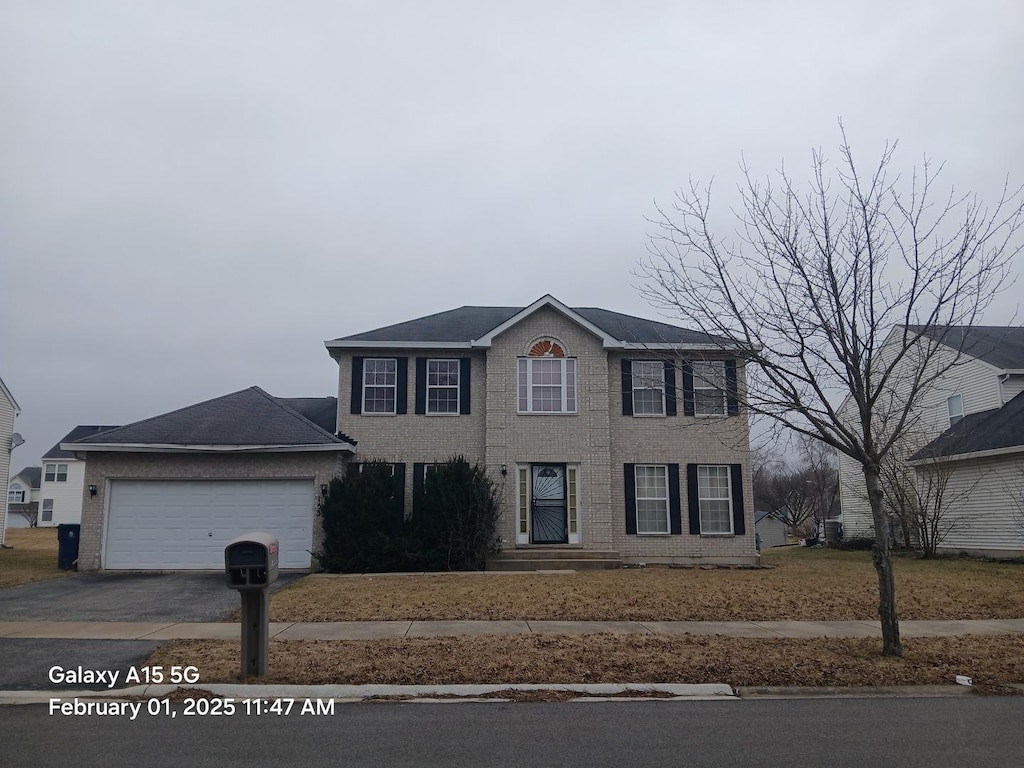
pixel 101 467
pixel 597 439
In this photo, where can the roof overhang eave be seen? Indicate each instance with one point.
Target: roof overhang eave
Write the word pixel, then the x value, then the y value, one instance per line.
pixel 992 452
pixel 339 447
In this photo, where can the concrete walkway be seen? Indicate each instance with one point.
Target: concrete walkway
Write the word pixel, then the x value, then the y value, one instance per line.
pixel 366 630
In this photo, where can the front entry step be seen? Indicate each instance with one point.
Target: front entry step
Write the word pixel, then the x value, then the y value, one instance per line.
pixel 554 559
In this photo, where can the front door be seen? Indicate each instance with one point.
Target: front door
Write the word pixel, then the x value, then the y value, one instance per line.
pixel 548 510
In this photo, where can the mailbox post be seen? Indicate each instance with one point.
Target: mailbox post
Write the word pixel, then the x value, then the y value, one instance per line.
pixel 251 565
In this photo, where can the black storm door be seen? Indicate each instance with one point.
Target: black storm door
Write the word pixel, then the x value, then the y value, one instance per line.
pixel 548 510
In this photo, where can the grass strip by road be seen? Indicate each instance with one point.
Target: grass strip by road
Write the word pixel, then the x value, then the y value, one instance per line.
pixel 803 584
pixel 614 658
pixel 33 557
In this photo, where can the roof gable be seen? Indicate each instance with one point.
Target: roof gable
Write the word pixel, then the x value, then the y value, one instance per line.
pixel 7 393
pixel 248 419
pixel 468 327
pixel 31 476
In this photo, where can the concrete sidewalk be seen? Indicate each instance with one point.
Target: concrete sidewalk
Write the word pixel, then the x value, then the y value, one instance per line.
pixel 367 630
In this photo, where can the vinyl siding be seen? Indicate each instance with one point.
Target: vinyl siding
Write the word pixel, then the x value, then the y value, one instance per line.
pixel 976 381
pixel 986 494
pixel 1012 387
pixel 6 430
pixel 67 495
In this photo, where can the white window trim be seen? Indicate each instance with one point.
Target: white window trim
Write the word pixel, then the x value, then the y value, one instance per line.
pixel 43 510
pixel 954 418
pixel 564 386
pixel 12 497
pixel 667 498
pixel 728 486
pixel 56 473
pixel 394 408
pixel 457 386
pixel 664 404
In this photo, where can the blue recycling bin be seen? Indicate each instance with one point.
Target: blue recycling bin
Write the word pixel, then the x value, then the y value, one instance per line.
pixel 67 545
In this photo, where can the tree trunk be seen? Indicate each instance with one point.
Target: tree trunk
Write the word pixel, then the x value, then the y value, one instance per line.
pixel 881 554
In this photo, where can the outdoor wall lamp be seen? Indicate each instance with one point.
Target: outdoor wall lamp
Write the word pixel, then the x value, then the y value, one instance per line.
pixel 504 469
pixel 323 489
pixel 92 490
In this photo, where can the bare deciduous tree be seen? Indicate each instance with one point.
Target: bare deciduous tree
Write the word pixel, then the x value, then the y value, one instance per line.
pixel 800 492
pixel 810 287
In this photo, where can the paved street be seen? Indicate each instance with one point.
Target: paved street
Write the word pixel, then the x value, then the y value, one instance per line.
pixel 911 733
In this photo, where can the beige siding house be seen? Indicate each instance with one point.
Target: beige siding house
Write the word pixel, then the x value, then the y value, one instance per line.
pixel 9 411
pixel 608 433
pixel 971 417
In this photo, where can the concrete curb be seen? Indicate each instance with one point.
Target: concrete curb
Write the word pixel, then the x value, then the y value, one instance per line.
pixel 448 693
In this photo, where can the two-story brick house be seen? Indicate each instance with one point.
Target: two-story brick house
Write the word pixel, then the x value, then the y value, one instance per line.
pixel 608 433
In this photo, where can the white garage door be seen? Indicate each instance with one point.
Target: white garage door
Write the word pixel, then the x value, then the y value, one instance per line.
pixel 185 524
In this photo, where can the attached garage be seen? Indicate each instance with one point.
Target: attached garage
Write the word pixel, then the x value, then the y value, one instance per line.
pixel 170 492
pixel 185 524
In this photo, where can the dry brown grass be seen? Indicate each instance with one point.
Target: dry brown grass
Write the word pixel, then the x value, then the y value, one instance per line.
pixel 34 557
pixel 824 585
pixel 614 658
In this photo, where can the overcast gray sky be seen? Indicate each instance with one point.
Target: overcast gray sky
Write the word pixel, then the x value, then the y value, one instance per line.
pixel 195 194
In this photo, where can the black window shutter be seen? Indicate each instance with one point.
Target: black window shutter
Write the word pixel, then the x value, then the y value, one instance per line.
pixel 398 470
pixel 627 388
pixel 629 481
pixel 402 379
pixel 731 392
pixel 670 388
pixel 465 365
pixel 421 385
pixel 736 478
pixel 357 385
pixel 687 370
pixel 675 516
pixel 418 478
pixel 693 499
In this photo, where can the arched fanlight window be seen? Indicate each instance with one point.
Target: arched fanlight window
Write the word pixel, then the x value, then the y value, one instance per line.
pixel 547 348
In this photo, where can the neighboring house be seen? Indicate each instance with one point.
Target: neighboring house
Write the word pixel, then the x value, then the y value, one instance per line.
pixel 981 460
pixel 607 433
pixel 23 498
pixel 60 493
pixel 169 492
pixel 9 411
pixel 771 531
pixel 975 407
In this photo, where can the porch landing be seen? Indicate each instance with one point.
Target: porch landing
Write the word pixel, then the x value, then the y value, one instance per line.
pixel 544 558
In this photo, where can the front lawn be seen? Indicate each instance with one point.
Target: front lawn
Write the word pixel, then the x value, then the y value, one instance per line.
pixel 607 658
pixel 34 557
pixel 803 584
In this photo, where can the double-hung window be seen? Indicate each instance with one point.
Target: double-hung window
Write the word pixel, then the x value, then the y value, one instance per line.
pixel 709 388
pixel 15 497
pixel 648 377
pixel 547 385
pixel 715 498
pixel 442 386
pixel 47 511
pixel 56 473
pixel 380 385
pixel 652 499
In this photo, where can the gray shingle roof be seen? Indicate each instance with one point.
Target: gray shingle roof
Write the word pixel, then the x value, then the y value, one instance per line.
pixel 469 323
pixel 31 475
pixel 997 345
pixel 80 432
pixel 249 417
pixel 985 431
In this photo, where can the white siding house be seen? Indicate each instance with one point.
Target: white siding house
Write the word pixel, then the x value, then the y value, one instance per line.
pixel 8 413
pixel 956 418
pixel 63 481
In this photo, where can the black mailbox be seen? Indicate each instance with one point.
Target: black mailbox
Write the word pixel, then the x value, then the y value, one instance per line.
pixel 251 561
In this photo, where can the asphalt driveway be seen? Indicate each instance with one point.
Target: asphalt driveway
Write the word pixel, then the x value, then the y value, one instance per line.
pixel 104 597
pixel 125 597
